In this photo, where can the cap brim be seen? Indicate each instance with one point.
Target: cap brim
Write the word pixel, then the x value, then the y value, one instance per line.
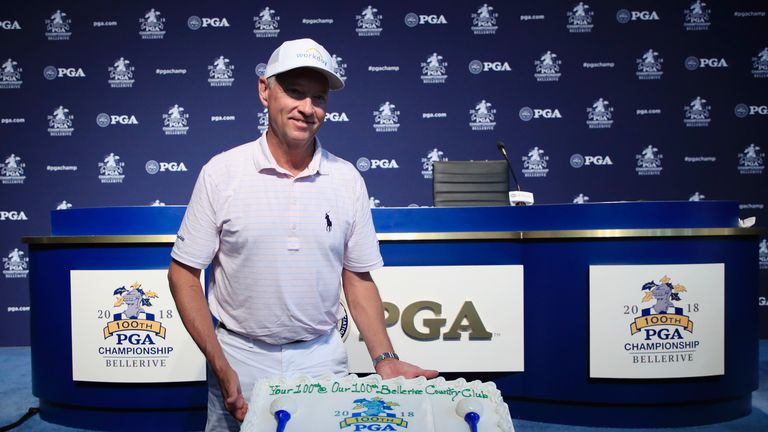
pixel 334 81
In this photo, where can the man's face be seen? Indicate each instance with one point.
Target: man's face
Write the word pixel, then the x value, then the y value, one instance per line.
pixel 297 103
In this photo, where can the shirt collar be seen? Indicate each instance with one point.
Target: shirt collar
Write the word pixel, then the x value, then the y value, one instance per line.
pixel 264 162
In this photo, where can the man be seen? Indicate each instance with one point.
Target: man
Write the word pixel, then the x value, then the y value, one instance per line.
pixel 283 222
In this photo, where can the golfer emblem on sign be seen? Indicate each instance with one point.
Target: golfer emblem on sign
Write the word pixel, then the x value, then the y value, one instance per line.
pixel 664 312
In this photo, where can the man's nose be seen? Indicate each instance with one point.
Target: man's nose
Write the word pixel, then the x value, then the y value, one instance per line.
pixel 305 106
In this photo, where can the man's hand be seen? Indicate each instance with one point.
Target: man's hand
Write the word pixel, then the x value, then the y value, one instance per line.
pixel 391 368
pixel 233 397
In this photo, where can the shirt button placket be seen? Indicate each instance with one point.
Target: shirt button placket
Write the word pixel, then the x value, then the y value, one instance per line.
pixel 294 210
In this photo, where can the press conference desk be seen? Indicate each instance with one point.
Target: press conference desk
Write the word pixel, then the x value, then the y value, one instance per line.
pixel 555 244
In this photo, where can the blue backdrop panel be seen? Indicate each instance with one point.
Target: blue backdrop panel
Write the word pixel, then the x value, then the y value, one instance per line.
pixel 597 101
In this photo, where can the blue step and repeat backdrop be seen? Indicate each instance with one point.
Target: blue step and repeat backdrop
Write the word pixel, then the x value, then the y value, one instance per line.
pixel 121 103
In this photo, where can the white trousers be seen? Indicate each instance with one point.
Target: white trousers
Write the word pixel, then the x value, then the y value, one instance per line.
pixel 254 360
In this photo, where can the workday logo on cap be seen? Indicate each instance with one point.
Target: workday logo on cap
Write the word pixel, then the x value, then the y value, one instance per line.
pixel 314 54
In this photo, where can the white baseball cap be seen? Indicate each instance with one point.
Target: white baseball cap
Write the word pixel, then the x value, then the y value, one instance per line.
pixel 303 53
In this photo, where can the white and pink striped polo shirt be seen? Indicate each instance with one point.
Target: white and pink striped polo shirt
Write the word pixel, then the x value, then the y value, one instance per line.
pixel 278 243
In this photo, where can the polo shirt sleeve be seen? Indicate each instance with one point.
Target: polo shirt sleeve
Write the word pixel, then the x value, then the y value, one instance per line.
pixel 198 237
pixel 362 251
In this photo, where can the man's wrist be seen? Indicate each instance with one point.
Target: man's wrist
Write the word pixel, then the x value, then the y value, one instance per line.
pixel 383 356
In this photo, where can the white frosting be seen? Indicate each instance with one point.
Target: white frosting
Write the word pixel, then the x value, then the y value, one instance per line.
pixel 350 403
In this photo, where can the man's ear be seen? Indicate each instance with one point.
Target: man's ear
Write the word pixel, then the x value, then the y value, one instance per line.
pixel 263 91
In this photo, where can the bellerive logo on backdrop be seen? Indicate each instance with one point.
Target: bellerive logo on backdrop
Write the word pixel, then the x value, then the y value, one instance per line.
pixel 535 163
pixel 580 18
pixel 649 66
pixel 57 26
pixel 649 161
pixel 484 21
pixel 433 70
pixel 111 170
pixel 433 156
pixel 152 25
pixel 120 74
pixel 696 17
pixel 15 264
pixel 265 25
pixel 11 75
pixel 60 122
pixel 751 160
pixel 175 121
pixel 369 22
pixel 547 68
pixel 600 115
pixel 385 118
pixel 482 117
pixel 12 170
pixel 220 72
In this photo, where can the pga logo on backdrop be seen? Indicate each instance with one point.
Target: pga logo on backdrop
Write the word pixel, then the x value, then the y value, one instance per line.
pixel 10 25
pixel 52 72
pixel 153 167
pixel 624 16
pixel 13 215
pixel 195 22
pixel 578 161
pixel 743 110
pixel 477 66
pixel 104 119
pixel 364 164
pixel 336 117
pixel 412 20
pixel 528 114
pixel 692 63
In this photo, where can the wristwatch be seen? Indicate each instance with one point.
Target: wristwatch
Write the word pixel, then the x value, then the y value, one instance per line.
pixel 384 356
